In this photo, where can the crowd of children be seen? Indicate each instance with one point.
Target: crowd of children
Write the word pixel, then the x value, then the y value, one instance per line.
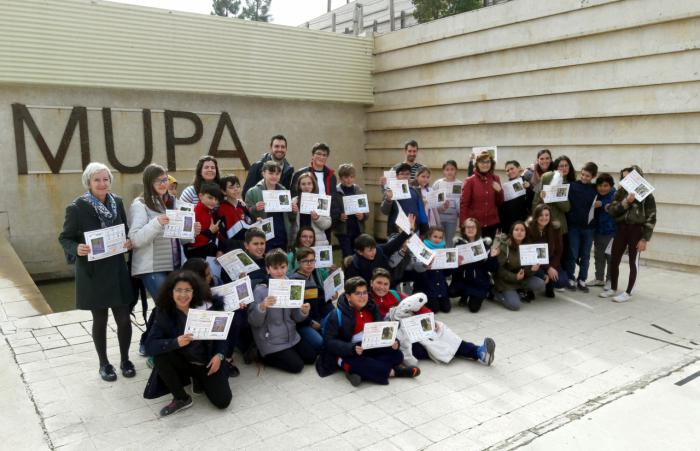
pixel 328 330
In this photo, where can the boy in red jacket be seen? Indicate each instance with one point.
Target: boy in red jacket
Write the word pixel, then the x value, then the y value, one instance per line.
pixel 206 243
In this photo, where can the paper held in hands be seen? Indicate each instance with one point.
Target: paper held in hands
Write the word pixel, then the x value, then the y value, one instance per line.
pixel 105 243
pixel 399 189
pixel 324 256
pixel 445 259
pixel 513 189
pixel 288 293
pixel 277 201
pixel 265 225
pixel 420 250
pixel 419 327
pixel 472 252
pixel 402 221
pixel 235 293
pixel 389 176
pixel 334 283
pixel 492 150
pixel 436 198
pixel 320 203
pixel 208 324
pixel 356 203
pixel 379 334
pixel 236 262
pixel 637 185
pixel 180 225
pixel 556 193
pixel 534 254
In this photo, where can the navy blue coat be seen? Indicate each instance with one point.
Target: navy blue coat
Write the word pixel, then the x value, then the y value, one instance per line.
pixel 473 279
pixel 581 197
pixel 362 267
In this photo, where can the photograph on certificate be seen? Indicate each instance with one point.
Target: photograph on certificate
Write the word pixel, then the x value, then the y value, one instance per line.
pixel 324 256
pixel 436 198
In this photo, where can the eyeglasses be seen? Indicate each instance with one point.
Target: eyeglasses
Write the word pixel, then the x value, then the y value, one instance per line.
pixel 183 290
pixel 361 293
pixel 162 181
pixel 321 154
pixel 307 262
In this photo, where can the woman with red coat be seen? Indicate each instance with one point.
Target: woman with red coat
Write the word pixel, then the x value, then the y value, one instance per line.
pixel 481 195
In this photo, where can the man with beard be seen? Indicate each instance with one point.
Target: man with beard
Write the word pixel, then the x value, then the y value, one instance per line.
pixel 410 149
pixel 278 154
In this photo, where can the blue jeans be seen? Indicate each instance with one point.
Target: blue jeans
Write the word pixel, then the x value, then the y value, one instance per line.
pixel 311 336
pixel 579 251
pixel 153 282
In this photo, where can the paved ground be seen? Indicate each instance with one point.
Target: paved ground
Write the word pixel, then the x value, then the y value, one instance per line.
pixel 557 361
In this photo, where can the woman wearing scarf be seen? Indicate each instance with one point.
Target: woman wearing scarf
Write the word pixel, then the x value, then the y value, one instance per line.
pixel 101 284
pixel 481 196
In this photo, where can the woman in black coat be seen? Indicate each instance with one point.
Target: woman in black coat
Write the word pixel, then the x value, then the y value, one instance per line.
pixel 101 284
pixel 177 357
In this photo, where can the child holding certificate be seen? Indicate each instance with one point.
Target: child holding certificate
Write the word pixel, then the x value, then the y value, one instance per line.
pixel 518 208
pixel 449 213
pixel 206 243
pixel 604 230
pixel 564 173
pixel 472 281
pixel 233 212
pixel 306 183
pixel 347 227
pixel 422 185
pixel 177 357
pixel 582 195
pixel 635 222
pixel 254 200
pixel 414 205
pixel 275 329
pixel 342 336
pixel 542 228
pixel 511 275
pixel 432 282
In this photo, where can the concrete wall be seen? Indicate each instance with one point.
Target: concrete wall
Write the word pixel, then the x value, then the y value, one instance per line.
pixel 613 81
pixel 32 206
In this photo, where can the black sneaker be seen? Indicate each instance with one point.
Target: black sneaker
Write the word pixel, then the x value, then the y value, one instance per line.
pixel 127 368
pixel 197 388
pixel 354 379
pixel 176 405
pixel 107 373
pixel 530 296
pixel 406 371
pixel 549 290
pixel 581 285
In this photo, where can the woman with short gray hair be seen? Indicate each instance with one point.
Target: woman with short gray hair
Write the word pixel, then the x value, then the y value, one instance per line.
pixel 101 284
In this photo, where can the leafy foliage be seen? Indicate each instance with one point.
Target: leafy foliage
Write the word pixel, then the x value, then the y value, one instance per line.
pixel 255 10
pixel 427 10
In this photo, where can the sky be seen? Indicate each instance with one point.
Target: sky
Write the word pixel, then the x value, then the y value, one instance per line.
pixel 284 12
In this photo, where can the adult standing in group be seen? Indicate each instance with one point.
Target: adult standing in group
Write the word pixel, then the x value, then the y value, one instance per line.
pixel 103 284
pixel 207 171
pixel 278 154
pixel 481 195
pixel 410 150
pixel 535 171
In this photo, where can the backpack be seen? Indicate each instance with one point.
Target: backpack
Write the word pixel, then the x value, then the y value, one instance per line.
pixel 326 318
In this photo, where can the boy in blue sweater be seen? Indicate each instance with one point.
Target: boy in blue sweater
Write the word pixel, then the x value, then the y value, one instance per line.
pixel 414 205
pixel 605 229
pixel 582 194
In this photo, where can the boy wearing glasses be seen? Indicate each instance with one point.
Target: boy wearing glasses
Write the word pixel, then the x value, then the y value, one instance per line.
pixel 325 176
pixel 310 329
pixel 343 338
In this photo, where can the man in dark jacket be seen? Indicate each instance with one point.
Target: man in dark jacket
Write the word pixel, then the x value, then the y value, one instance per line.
pixel 278 154
pixel 342 339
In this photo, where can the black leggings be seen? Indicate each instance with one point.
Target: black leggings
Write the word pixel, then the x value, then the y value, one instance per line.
pixel 172 368
pixel 466 350
pixel 99 331
pixel 292 359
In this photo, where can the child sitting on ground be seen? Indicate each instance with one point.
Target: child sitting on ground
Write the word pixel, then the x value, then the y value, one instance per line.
pixel 432 282
pixel 274 329
pixel 342 338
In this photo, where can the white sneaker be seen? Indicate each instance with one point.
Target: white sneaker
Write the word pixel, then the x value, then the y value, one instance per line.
pixel 622 297
pixel 607 285
pixel 595 283
pixel 607 293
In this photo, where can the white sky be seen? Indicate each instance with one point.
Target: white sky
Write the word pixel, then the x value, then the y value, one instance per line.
pixel 284 12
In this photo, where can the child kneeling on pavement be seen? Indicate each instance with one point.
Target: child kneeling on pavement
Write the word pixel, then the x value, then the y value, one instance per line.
pixel 342 336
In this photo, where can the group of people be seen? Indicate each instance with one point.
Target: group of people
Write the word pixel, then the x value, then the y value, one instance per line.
pixel 382 281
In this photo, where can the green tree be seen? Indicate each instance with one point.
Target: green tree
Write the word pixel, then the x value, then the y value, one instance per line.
pixel 255 10
pixel 427 10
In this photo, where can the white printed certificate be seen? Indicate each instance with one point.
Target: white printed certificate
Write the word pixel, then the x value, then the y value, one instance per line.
pixel 445 259
pixel 236 262
pixel 637 185
pixel 288 293
pixel 380 334
pixel 356 203
pixel 265 225
pixel 419 327
pixel 277 201
pixel 208 324
pixel 399 189
pixel 324 256
pixel 513 189
pixel 472 252
pixel 420 250
pixel 334 283
pixel 492 150
pixel 402 221
pixel 235 293
pixel 106 242
pixel 180 224
pixel 534 254
pixel 556 193
pixel 436 198
pixel 389 176
pixel 320 203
